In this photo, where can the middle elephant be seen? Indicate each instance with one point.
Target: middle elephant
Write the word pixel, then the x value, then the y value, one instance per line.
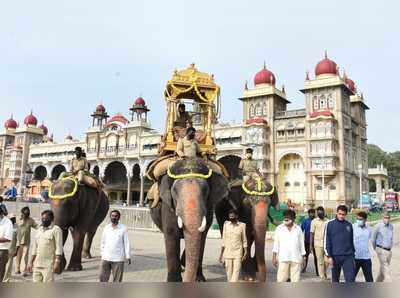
pixel 188 193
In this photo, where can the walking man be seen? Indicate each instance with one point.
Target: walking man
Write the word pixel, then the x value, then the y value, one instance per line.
pixel 26 223
pixel 317 231
pixel 306 228
pixel 5 241
pixel 288 250
pixel 47 250
pixel 234 246
pixel 339 246
pixel 382 242
pixel 115 249
pixel 362 236
pixel 12 252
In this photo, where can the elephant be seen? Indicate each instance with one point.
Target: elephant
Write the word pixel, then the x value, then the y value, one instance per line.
pixel 253 210
pixel 81 213
pixel 185 211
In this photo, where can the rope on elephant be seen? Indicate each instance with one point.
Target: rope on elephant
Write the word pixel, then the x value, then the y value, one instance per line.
pixel 258 192
pixel 58 187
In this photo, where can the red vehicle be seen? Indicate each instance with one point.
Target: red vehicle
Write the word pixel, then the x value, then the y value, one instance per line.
pixel 391 202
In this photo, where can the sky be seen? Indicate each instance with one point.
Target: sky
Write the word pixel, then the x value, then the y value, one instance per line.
pixel 62 58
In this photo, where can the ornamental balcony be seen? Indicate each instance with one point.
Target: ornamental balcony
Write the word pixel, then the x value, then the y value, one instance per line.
pixel 290 114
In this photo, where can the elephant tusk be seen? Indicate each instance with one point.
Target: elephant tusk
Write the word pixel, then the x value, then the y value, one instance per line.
pixel 203 225
pixel 180 222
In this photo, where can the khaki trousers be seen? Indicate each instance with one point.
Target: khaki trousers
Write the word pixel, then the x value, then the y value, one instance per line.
pixel 23 253
pixel 3 262
pixel 9 266
pixel 232 267
pixel 321 262
pixel 43 274
pixel 384 257
pixel 117 269
pixel 288 270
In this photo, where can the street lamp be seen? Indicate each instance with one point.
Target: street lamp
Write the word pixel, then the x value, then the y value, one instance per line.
pixel 322 164
pixel 360 167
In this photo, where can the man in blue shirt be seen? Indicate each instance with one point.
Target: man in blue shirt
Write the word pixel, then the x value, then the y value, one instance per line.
pixel 382 242
pixel 306 228
pixel 362 235
pixel 339 246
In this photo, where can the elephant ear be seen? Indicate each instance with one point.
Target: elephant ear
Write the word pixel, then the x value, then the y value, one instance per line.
pixel 218 188
pixel 165 191
pixel 274 198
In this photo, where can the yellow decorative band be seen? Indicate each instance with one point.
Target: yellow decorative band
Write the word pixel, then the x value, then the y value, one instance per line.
pixel 257 193
pixel 60 197
pixel 189 175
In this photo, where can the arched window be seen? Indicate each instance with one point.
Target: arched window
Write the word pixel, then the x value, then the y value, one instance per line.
pixel 297 184
pixel 251 111
pixel 258 110
pixel 287 184
pixel 265 109
pixel 322 102
pixel 315 103
pixel 331 102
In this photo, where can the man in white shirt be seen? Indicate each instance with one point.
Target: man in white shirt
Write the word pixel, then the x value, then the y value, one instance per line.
pixel 6 230
pixel 288 251
pixel 115 249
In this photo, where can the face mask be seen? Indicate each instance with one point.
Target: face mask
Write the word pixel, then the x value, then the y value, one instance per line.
pixel 288 222
pixel 321 215
pixel 249 156
pixel 360 223
pixel 25 215
pixel 114 221
pixel 233 219
pixel 13 220
pixel 386 221
pixel 46 222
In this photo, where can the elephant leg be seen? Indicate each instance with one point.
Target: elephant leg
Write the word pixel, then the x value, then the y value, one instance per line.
pixel 75 263
pixel 88 244
pixel 260 228
pixel 249 265
pixel 172 249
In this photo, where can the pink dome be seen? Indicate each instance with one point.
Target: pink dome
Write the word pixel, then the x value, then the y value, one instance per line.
pixel 100 108
pixel 264 76
pixel 350 83
pixel 326 66
pixel 140 101
pixel 30 120
pixel 44 128
pixel 11 123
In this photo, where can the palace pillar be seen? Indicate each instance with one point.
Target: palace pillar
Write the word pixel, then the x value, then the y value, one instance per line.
pixel 129 192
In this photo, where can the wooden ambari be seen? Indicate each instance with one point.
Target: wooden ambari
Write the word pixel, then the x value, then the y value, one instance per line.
pixel 199 87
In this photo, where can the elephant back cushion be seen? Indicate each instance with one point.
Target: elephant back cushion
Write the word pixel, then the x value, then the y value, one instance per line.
pixel 258 187
pixel 63 188
pixel 189 166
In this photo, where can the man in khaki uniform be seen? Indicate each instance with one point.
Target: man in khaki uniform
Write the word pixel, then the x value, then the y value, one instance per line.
pixel 248 166
pixel 79 165
pixel 26 223
pixel 317 233
pixel 188 147
pixel 234 246
pixel 12 251
pixel 183 118
pixel 47 250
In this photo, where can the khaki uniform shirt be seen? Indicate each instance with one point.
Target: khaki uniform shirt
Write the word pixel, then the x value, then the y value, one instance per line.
pixel 14 242
pixel 47 245
pixel 318 229
pixel 234 239
pixel 25 226
pixel 78 164
pixel 249 166
pixel 187 148
pixel 183 119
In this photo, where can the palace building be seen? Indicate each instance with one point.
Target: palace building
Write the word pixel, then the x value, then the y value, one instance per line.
pixel 316 155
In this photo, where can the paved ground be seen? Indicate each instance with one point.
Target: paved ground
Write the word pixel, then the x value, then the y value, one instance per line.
pixel 149 264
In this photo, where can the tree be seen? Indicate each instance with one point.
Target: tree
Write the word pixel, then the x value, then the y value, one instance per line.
pixel 376 156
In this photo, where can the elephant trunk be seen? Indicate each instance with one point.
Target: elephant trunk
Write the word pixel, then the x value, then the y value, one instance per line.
pixel 260 214
pixel 191 213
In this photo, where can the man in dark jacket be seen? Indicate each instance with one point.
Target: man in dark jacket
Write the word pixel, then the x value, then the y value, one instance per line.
pixel 339 246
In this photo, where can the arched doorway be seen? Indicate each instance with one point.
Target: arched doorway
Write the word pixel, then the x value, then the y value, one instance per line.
pixel 115 180
pixel 57 170
pixel 96 171
pixel 231 163
pixel 40 173
pixel 292 182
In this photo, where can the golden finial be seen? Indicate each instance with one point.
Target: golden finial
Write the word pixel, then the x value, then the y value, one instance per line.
pixel 326 54
pixel 283 88
pixel 245 86
pixel 265 65
pixel 307 75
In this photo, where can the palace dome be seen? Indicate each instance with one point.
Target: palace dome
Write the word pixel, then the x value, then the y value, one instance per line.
pixel 100 108
pixel 69 137
pixel 326 66
pixel 350 83
pixel 30 120
pixel 140 101
pixel 264 76
pixel 44 128
pixel 118 118
pixel 11 123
